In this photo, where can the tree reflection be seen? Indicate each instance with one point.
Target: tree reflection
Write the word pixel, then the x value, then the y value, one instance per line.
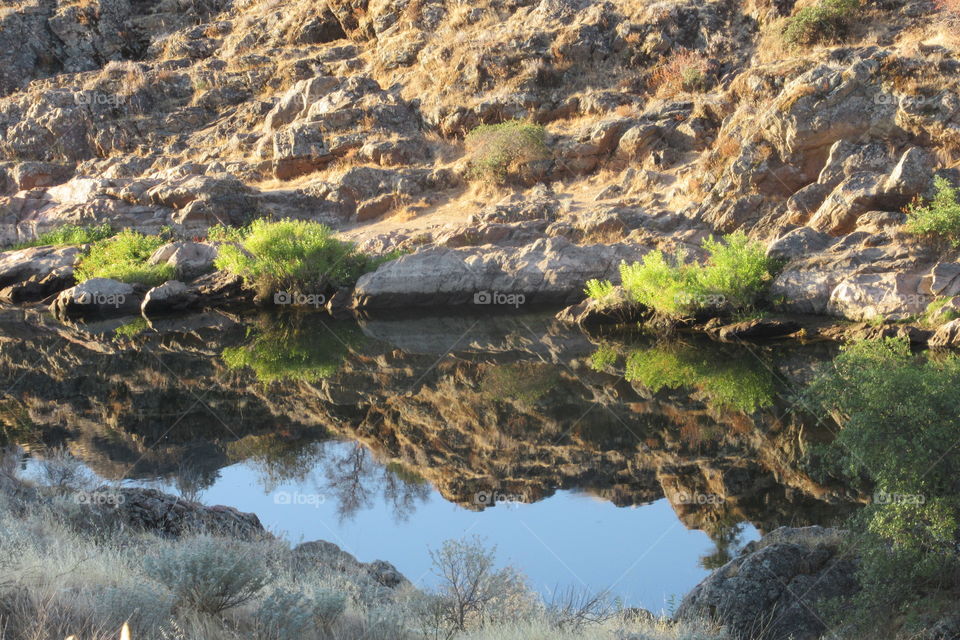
pixel 354 478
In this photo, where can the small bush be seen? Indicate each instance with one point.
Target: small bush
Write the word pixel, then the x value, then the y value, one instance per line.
pixel 291 615
pixel 498 150
pixel 826 20
pixel 733 279
pixel 209 574
pixel 145 607
pixel 124 258
pixel 940 218
pixel 68 234
pixel 293 255
pixel 684 72
pixel 600 290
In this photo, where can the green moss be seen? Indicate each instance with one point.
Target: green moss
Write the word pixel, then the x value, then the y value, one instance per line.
pixel 124 258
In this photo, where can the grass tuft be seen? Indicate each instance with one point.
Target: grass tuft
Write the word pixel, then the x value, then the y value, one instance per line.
pixel 124 257
pixel 68 234
pixel 497 151
pixel 940 218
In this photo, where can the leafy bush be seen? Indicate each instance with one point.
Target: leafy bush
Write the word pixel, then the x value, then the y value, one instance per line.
pixel 940 218
pixel 600 290
pixel 826 20
pixel 498 150
pixel 210 574
pixel 734 277
pixel 68 234
pixel 124 258
pixel 294 255
pixel 899 416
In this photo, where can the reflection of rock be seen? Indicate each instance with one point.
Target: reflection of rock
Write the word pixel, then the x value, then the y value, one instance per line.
pixel 513 408
pixel 775 585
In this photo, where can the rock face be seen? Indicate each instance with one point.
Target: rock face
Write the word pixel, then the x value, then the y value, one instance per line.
pixel 775 585
pixel 190 259
pixel 548 271
pixel 320 552
pixel 168 297
pixel 35 273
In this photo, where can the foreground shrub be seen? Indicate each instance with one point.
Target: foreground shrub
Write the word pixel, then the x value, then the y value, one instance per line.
pixel 124 258
pixel 733 278
pixel 899 416
pixel 291 615
pixel 826 20
pixel 68 234
pixel 294 255
pixel 210 574
pixel 940 218
pixel 498 150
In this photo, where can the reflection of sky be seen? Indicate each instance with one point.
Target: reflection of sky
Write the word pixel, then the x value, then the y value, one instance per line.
pixel 644 554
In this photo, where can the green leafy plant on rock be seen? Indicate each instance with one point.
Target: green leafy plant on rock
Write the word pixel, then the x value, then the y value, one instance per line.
pixel 124 257
pixel 940 218
pixel 293 255
pixel 497 151
pixel 733 279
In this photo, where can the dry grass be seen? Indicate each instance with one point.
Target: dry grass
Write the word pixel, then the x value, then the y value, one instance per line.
pixel 685 71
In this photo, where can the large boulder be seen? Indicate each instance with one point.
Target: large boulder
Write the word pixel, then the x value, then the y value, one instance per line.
pixel 549 271
pixel 320 553
pixel 775 585
pixel 98 296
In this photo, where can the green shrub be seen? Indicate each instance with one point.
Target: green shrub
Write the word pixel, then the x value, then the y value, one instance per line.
pixel 210 574
pixel 600 290
pixel 294 255
pixel 733 279
pixel 224 233
pixel 68 234
pixel 899 416
pixel 826 20
pixel 124 258
pixel 940 218
pixel 498 150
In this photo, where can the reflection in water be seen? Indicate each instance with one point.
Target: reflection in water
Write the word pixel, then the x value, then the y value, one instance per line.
pixel 283 348
pixel 380 416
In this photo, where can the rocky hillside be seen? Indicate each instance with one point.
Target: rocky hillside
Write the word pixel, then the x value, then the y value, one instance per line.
pixel 664 121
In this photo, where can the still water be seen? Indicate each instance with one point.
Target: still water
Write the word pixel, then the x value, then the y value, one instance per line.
pixel 630 465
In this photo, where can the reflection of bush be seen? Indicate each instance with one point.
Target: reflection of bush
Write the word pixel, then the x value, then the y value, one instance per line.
pixel 728 383
pixel 278 459
pixel 522 382
pixel 284 350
